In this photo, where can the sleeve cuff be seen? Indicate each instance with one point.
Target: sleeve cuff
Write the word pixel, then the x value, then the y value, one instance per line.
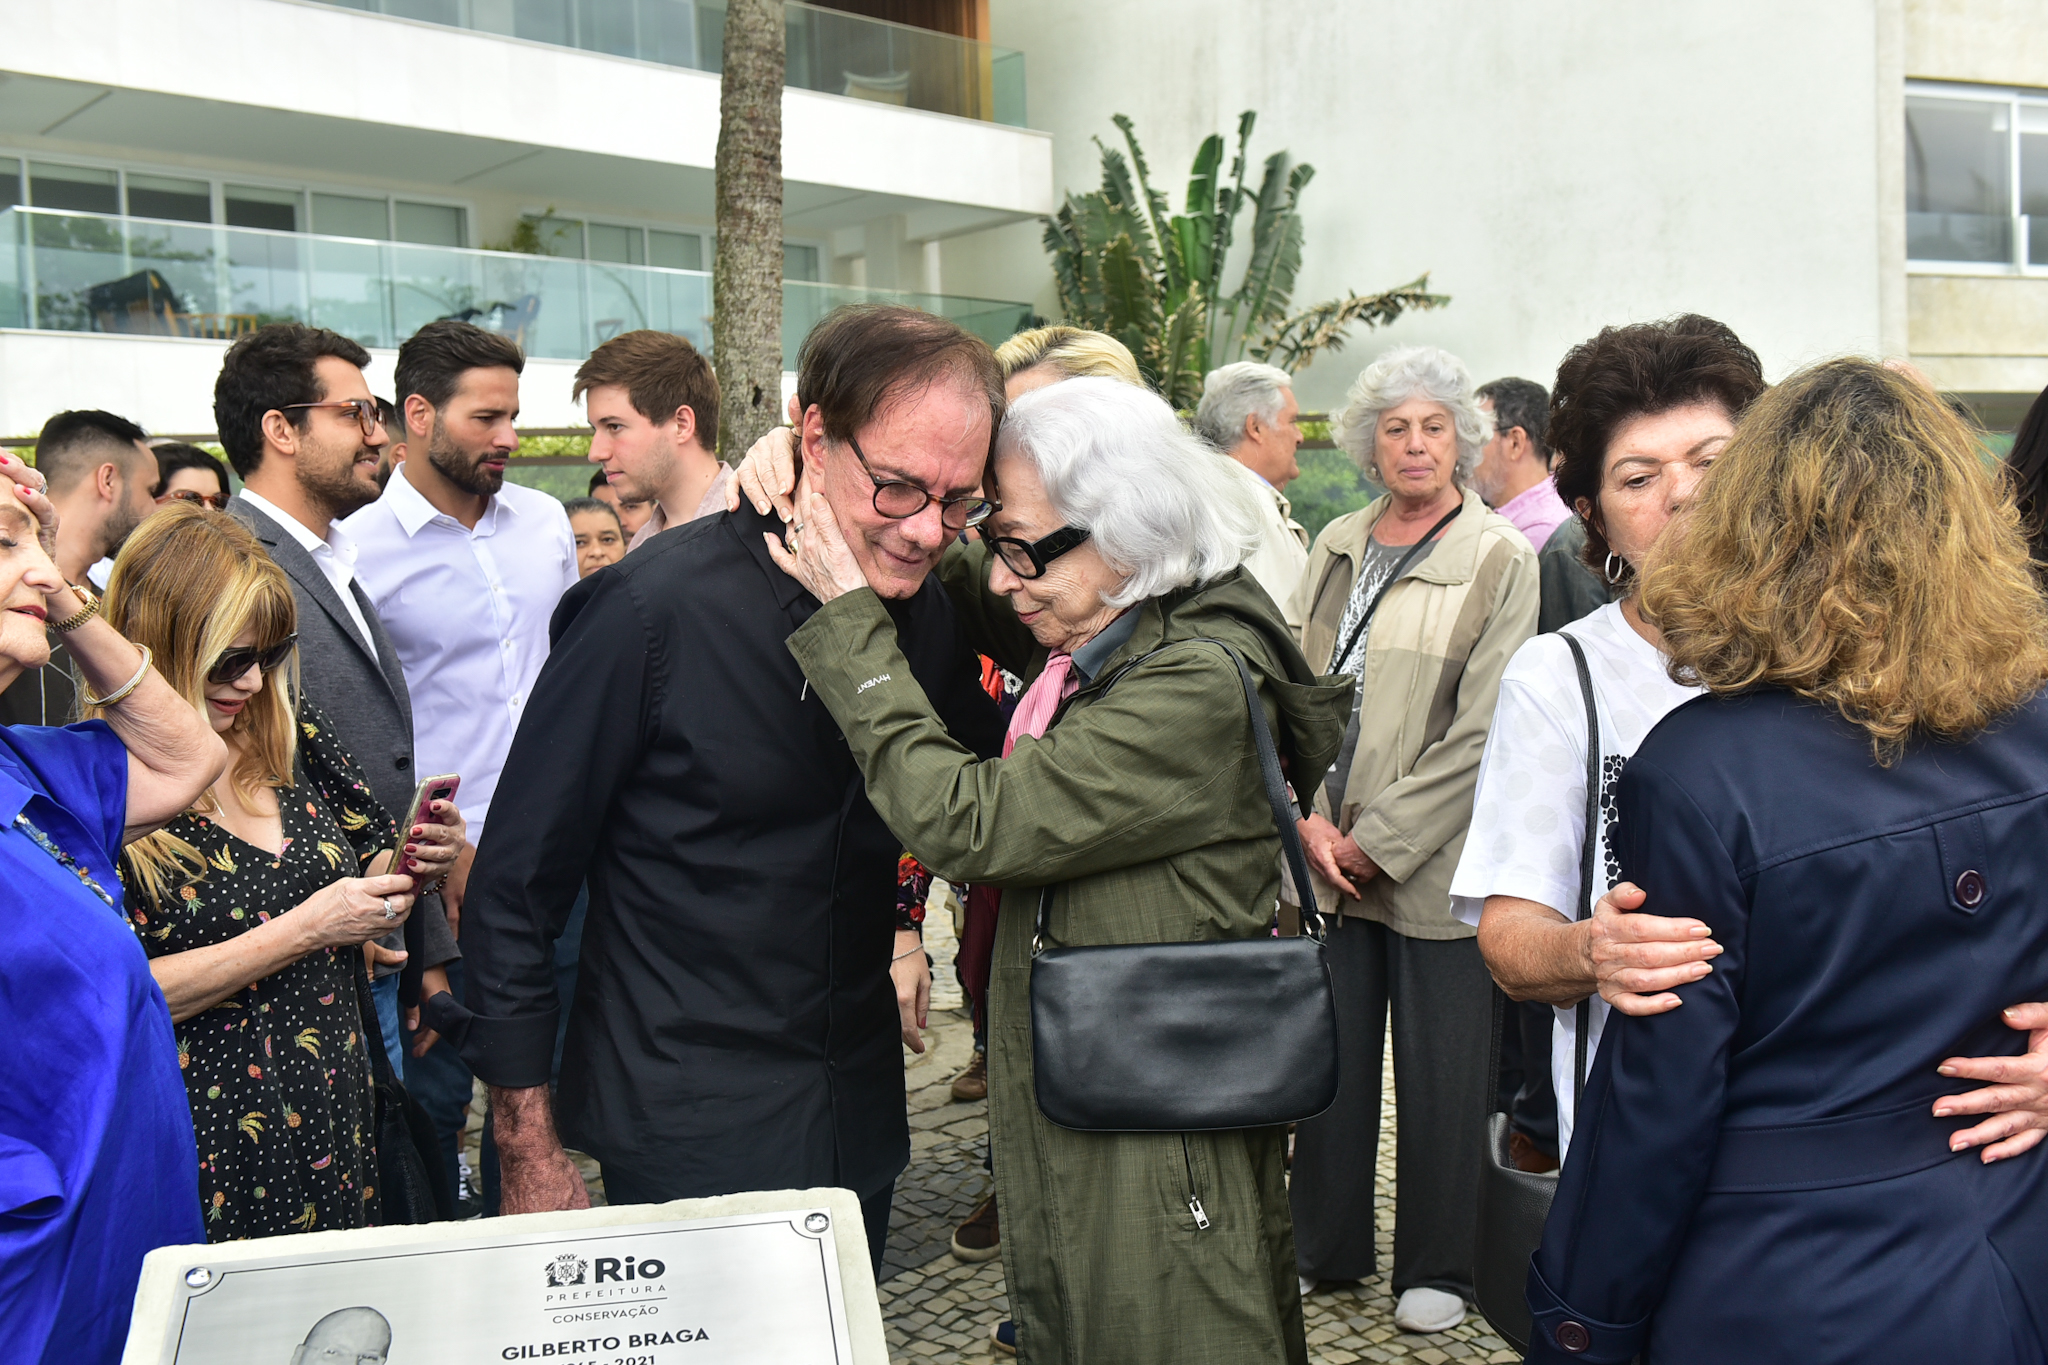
pixel 1558 1335
pixel 517 1054
pixel 1390 853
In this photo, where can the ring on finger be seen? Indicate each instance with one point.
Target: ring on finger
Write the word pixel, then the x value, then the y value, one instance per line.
pixel 390 910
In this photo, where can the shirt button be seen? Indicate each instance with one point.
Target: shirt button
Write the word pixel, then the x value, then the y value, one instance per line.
pixel 1970 889
pixel 1573 1337
pixel 402 762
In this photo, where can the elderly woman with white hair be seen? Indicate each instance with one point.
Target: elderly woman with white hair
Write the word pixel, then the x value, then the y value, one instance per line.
pixel 1130 785
pixel 1422 597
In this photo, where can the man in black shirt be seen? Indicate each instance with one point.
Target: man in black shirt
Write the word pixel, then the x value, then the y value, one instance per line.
pixel 735 1025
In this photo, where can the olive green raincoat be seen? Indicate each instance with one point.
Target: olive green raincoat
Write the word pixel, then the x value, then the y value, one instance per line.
pixel 1143 802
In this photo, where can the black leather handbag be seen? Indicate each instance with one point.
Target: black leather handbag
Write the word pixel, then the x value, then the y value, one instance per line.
pixel 1184 1037
pixel 1513 1204
pixel 405 1135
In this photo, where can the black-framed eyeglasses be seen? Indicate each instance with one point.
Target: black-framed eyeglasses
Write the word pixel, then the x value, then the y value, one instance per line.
pixel 365 409
pixel 217 501
pixel 899 500
pixel 235 662
pixel 1028 558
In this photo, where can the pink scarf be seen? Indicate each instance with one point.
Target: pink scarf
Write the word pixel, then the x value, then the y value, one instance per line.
pixel 1040 700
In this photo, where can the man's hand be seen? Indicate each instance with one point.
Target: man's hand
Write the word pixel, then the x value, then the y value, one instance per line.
pixel 433 982
pixel 1336 856
pixel 1638 959
pixel 2017 1099
pixel 537 1176
pixel 456 887
pixel 376 955
pixel 912 973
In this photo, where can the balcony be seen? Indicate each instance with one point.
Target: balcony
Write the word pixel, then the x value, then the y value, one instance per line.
pixel 828 51
pixel 88 272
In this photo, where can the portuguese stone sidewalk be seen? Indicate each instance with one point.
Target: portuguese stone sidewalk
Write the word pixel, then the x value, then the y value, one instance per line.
pixel 939 1310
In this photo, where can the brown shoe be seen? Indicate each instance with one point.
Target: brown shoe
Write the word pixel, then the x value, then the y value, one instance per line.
pixel 979 1239
pixel 1527 1156
pixel 972 1084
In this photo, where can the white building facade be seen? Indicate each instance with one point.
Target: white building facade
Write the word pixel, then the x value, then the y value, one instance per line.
pixel 1827 177
pixel 174 173
pixel 1562 165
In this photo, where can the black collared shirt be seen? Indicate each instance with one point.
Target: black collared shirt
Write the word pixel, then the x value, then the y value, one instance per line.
pixel 734 1023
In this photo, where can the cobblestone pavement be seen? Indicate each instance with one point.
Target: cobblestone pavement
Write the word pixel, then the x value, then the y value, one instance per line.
pixel 939 1310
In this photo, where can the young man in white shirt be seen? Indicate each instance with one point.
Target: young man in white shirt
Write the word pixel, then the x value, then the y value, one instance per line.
pixel 653 406
pixel 465 570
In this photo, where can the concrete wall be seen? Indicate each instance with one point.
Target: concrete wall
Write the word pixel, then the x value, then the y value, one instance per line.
pixel 166 383
pixel 1994 42
pixel 1555 165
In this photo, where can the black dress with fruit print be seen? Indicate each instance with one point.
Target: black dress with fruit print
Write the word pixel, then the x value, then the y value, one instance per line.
pixel 278 1073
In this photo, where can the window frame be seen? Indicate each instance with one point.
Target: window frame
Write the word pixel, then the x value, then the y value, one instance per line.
pixel 217 182
pixel 2014 99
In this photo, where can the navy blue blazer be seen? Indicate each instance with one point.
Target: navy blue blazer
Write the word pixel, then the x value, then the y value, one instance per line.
pixel 1757 1176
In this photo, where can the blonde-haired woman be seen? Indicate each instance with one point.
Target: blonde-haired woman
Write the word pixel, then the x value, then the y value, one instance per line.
pixel 1046 355
pixel 1772 1171
pixel 253 904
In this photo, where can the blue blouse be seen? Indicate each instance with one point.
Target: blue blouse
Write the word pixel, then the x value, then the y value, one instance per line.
pixel 96 1146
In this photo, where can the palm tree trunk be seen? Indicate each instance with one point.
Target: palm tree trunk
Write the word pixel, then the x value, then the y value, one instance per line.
pixel 746 283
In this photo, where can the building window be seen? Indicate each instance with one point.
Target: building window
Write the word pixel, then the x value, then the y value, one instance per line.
pixel 84 189
pixel 10 182
pixel 1977 177
pixel 428 224
pixel 799 262
pixel 675 250
pixel 255 206
pixel 348 215
pixel 161 196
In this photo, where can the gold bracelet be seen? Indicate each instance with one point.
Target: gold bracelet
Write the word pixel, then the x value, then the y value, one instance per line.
pixel 121 693
pixel 78 618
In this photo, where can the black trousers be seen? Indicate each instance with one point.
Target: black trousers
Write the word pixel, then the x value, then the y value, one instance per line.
pixel 622 1186
pixel 1442 1016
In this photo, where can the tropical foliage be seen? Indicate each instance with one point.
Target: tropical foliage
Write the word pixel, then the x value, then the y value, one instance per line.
pixel 1125 264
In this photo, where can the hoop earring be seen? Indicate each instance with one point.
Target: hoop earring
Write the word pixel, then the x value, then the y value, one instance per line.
pixel 1614 575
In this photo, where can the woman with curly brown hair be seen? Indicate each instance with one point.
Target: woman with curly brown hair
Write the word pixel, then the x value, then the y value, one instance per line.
pixel 1771 1172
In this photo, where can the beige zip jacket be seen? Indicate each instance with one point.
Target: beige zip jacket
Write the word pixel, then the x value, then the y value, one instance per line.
pixel 1434 656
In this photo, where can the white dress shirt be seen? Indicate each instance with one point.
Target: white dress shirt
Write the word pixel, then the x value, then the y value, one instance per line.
pixel 468 612
pixel 335 555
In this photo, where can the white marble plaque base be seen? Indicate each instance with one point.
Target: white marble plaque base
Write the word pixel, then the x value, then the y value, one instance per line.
pixel 770 1278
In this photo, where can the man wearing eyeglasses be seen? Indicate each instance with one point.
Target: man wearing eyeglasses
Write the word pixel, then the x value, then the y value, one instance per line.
pixel 735 1024
pixel 300 427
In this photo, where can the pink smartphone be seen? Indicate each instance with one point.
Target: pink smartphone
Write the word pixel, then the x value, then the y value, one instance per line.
pixel 442 788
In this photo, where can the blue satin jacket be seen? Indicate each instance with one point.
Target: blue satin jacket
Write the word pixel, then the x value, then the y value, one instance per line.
pixel 1757 1176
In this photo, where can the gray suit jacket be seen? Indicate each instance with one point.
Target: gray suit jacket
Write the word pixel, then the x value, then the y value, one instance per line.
pixel 364 697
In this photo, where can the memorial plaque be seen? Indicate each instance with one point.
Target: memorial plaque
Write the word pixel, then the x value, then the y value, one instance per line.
pixel 765 1279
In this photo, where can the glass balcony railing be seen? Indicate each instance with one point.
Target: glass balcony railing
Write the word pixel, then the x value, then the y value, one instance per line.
pixel 839 54
pixel 89 272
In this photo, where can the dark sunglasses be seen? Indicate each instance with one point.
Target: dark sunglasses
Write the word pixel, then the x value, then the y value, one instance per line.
pixel 365 409
pixel 899 501
pixel 236 662
pixel 216 501
pixel 1028 558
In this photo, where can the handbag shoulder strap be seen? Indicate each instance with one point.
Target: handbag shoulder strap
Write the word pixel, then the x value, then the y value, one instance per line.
pixel 1400 567
pixel 1587 848
pixel 1276 796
